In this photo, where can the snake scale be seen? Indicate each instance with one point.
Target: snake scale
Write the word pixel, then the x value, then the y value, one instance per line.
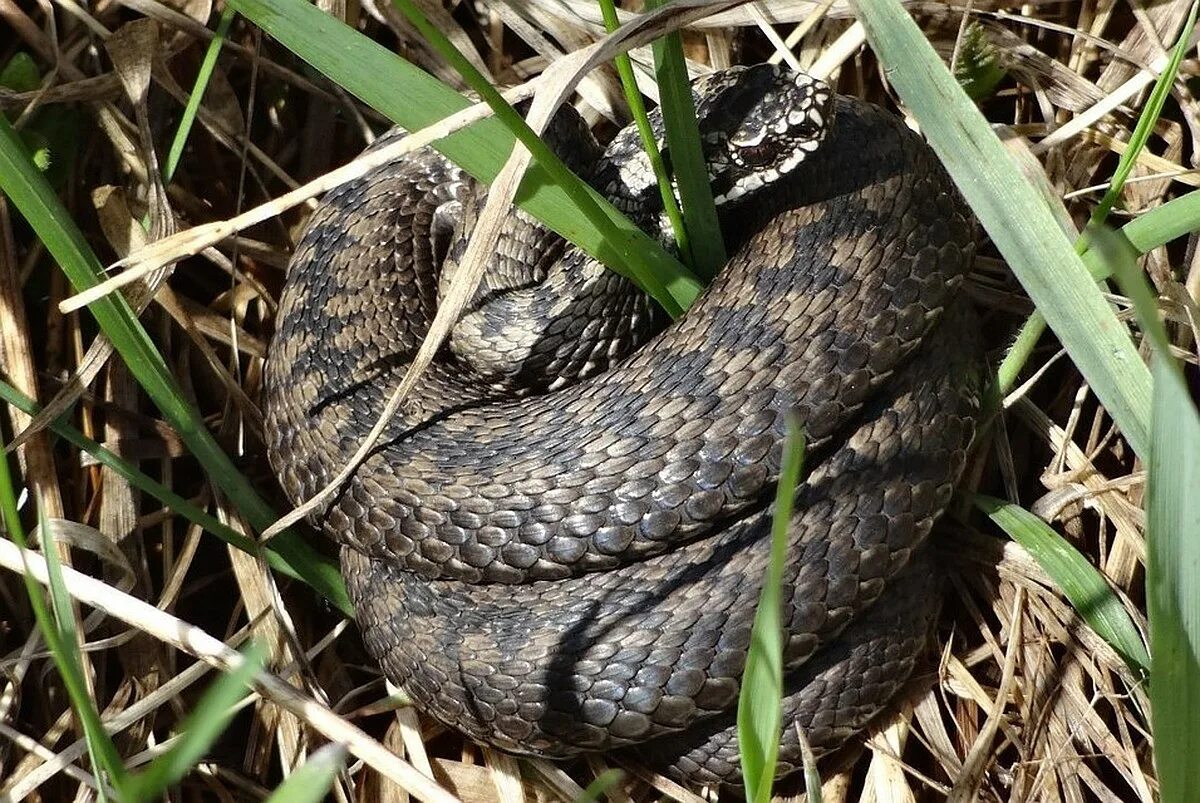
pixel 558 545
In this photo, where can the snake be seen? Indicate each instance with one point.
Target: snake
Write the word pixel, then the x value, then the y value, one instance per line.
pixel 558 545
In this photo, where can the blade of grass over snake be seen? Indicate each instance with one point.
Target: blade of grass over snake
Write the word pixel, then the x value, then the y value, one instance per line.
pixel 1078 579
pixel 414 99
pixel 703 233
pixel 637 109
pixel 758 711
pixel 22 182
pixel 318 566
pixel 1014 215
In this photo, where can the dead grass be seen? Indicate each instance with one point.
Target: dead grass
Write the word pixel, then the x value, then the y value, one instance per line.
pixel 1022 702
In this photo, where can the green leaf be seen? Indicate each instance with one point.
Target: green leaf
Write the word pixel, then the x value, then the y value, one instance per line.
pixel 197 95
pixel 977 69
pixel 312 780
pixel 199 730
pixel 758 712
pixel 20 73
pixel 637 109
pixel 1173 584
pixel 1078 579
pixel 703 241
pixel 1172 537
pixel 600 784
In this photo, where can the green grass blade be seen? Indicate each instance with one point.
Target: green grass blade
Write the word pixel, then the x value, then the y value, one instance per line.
pixel 199 730
pixel 414 99
pixel 637 109
pixel 1173 584
pixel 703 231
pixel 1146 122
pixel 758 712
pixel 310 782
pixel 22 182
pixel 1079 580
pixel 1161 225
pixel 1016 218
pixel 65 649
pixel 600 785
pixel 188 118
pixel 1173 540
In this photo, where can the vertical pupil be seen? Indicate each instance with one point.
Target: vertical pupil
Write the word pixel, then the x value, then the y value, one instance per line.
pixel 757 154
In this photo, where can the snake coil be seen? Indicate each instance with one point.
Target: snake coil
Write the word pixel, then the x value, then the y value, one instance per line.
pixel 558 545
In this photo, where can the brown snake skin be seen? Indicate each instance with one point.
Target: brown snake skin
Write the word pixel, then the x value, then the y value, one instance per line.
pixel 574 566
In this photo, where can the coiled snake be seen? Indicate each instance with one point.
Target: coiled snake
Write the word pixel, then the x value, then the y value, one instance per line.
pixel 558 545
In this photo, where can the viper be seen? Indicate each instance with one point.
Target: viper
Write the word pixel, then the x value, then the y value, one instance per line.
pixel 558 544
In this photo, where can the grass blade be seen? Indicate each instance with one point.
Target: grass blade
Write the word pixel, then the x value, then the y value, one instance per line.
pixel 203 726
pixel 1078 579
pixel 600 785
pixel 310 783
pixel 637 109
pixel 703 241
pixel 758 712
pixel 1173 540
pixel 1173 584
pixel 57 626
pixel 193 104
pixel 1016 218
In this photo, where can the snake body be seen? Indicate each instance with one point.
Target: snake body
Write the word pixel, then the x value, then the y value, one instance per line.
pixel 562 552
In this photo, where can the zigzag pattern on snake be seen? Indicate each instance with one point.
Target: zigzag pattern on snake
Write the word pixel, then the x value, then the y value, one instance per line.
pixel 558 545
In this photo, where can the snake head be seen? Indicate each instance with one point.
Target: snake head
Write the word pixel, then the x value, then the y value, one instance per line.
pixel 758 124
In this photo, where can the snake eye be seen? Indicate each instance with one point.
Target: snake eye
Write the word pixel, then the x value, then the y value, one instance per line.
pixel 756 155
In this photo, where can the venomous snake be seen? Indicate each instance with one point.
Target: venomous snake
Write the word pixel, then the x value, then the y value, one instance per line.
pixel 558 545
